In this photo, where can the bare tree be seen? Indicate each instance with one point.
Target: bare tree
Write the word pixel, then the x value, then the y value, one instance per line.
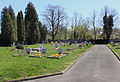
pixel 93 22
pixel 54 16
pixel 77 21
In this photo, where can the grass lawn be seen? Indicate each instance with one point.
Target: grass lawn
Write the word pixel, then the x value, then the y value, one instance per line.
pixel 114 48
pixel 23 66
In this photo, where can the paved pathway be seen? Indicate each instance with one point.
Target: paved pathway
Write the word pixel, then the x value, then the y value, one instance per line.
pixel 98 65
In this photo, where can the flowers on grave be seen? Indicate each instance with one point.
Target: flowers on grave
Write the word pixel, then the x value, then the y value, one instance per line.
pixel 52 42
pixel 38 54
pixel 56 55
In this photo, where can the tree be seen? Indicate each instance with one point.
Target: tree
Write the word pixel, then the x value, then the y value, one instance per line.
pixel 20 27
pixel 13 18
pixel 108 24
pixel 31 24
pixel 108 20
pixel 43 32
pixel 76 22
pixel 7 28
pixel 54 16
pixel 63 31
pixel 93 21
pixel 40 30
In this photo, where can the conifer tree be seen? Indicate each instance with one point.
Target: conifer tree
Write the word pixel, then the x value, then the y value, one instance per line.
pixel 20 27
pixel 44 33
pixel 7 30
pixel 31 24
pixel 40 30
pixel 13 18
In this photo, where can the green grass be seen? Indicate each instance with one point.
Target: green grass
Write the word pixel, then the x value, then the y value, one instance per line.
pixel 23 66
pixel 114 48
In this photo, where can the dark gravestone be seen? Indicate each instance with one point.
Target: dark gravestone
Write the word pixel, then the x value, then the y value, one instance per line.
pixel 70 43
pixel 80 45
pixel 56 45
pixel 28 50
pixel 44 50
pixel 60 51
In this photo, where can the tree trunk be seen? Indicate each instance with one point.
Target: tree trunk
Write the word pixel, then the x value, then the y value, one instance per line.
pixel 108 38
pixel 53 37
pixel 94 33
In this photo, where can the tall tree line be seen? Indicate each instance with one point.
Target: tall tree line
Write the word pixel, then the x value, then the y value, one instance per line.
pixel 21 29
pixel 8 26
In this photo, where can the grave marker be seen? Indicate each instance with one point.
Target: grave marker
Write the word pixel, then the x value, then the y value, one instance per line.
pixel 28 50
pixel 44 50
pixel 60 51
pixel 56 46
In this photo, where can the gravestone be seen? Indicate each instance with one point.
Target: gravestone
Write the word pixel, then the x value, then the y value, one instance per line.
pixel 26 45
pixel 75 42
pixel 22 42
pixel 90 42
pixel 56 46
pixel 28 50
pixel 63 44
pixel 60 51
pixel 111 42
pixel 41 46
pixel 44 50
pixel 86 43
pixel 80 45
pixel 70 43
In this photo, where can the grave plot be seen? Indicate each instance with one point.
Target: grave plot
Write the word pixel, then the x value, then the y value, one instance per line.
pixel 56 46
pixel 62 44
pixel 43 53
pixel 71 49
pixel 70 43
pixel 59 55
pixel 117 45
pixel 79 45
pixel 34 50
pixel 114 44
pixel 19 51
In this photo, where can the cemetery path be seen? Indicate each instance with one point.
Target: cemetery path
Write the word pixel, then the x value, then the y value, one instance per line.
pixel 99 64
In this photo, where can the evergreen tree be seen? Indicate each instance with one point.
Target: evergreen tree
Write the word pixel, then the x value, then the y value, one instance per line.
pixel 31 24
pixel 7 30
pixel 44 33
pixel 108 24
pixel 20 27
pixel 40 29
pixel 13 18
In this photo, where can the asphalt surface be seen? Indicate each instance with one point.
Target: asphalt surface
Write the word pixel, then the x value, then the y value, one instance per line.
pixel 99 64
